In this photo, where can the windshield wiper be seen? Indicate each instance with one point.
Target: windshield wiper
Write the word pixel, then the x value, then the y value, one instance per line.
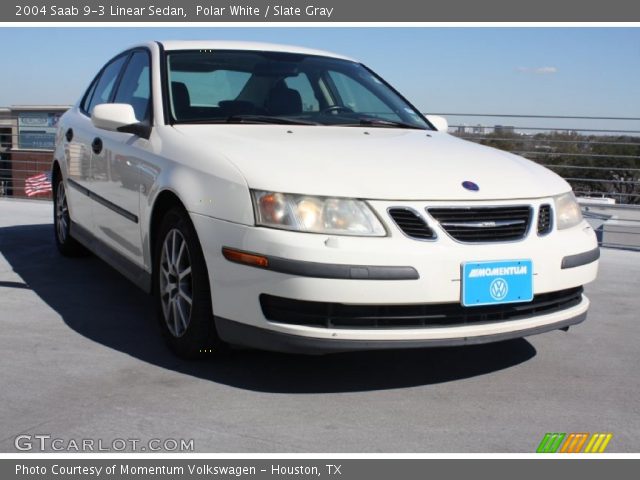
pixel 379 122
pixel 254 119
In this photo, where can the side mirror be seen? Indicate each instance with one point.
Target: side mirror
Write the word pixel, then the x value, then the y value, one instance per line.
pixel 439 122
pixel 119 117
pixel 112 116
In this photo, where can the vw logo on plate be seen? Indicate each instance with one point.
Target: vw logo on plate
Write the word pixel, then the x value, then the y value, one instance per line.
pixel 470 186
pixel 499 288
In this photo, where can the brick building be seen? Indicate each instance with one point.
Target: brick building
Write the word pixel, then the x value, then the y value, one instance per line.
pixel 27 136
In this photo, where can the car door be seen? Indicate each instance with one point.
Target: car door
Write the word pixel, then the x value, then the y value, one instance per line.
pixel 79 135
pixel 118 165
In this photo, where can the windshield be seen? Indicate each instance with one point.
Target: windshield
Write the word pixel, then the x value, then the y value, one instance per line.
pixel 272 87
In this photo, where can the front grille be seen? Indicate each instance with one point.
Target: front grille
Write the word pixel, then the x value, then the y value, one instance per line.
pixel 412 224
pixel 484 224
pixel 544 219
pixel 338 315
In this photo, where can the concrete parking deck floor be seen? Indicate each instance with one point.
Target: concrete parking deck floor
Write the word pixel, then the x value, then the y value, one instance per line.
pixel 82 357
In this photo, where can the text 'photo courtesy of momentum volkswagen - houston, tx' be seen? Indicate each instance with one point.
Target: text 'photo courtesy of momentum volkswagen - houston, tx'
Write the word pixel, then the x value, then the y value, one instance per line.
pixel 290 199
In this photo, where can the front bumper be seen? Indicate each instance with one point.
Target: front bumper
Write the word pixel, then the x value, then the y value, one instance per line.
pixel 237 333
pixel 237 288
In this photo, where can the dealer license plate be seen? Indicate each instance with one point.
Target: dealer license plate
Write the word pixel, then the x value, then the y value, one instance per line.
pixel 493 282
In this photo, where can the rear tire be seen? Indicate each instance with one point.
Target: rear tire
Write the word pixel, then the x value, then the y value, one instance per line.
pixel 181 289
pixel 67 245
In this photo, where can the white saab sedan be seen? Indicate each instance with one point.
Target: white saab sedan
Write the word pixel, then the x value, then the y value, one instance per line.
pixel 290 199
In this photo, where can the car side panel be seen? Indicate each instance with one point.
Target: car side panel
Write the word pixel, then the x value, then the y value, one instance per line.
pixel 74 158
pixel 117 172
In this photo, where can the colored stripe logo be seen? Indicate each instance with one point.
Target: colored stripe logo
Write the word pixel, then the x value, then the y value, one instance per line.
pixel 550 442
pixel 598 443
pixel 574 442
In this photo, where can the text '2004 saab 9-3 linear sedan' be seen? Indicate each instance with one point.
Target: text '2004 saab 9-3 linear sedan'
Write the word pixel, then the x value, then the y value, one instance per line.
pixel 290 199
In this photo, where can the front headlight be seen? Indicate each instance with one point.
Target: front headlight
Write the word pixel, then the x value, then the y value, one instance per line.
pixel 568 213
pixel 305 213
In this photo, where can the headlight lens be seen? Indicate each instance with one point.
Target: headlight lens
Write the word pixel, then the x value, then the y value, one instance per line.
pixel 568 213
pixel 305 213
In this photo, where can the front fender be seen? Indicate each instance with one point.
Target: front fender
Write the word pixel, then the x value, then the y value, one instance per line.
pixel 206 183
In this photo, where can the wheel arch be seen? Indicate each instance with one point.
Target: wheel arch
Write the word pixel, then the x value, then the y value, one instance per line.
pixel 204 339
pixel 164 201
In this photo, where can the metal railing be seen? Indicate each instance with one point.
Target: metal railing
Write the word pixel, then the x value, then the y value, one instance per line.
pixel 601 164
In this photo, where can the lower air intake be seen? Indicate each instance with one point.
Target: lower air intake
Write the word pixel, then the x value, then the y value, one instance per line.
pixel 338 315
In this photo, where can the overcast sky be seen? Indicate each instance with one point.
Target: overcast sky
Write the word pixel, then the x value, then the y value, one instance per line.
pixel 543 71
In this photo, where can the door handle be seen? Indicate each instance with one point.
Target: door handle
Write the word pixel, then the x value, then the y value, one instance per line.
pixel 69 135
pixel 96 145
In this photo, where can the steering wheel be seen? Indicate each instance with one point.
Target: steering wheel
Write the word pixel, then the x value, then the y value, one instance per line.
pixel 337 109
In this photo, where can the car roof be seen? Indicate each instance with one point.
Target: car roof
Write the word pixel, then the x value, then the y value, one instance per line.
pixel 235 45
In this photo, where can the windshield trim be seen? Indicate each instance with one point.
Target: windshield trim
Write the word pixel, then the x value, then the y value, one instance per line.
pixel 249 119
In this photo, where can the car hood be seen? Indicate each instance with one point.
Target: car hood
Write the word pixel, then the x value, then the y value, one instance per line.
pixel 372 163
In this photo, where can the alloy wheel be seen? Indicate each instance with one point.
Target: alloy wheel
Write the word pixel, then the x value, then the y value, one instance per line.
pixel 176 283
pixel 62 214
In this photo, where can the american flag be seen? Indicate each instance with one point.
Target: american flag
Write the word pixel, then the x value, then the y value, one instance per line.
pixel 38 184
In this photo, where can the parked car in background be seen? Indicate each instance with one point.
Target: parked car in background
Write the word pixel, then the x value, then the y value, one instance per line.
pixel 290 199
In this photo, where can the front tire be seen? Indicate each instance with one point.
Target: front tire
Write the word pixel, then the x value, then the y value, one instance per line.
pixel 67 245
pixel 181 289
